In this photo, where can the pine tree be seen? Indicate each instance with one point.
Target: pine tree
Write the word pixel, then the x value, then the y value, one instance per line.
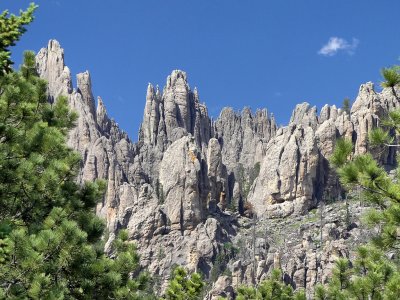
pixel 378 189
pixel 183 286
pixel 11 29
pixel 271 289
pixel 371 275
pixel 50 236
pixel 392 78
pixel 346 106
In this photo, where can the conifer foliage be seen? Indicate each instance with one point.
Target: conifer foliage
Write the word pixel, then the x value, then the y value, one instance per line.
pixel 372 275
pixel 272 289
pixel 346 106
pixel 392 78
pixel 11 28
pixel 50 237
pixel 184 286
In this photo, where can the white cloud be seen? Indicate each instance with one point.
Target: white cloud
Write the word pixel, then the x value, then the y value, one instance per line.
pixel 336 44
pixel 56 2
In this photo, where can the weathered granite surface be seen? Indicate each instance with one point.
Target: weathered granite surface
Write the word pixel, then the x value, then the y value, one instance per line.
pixel 191 186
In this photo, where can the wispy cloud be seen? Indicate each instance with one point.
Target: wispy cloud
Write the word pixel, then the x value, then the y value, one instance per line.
pixel 336 44
pixel 56 2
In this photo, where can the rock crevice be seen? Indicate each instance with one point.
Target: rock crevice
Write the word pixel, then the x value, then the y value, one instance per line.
pixel 184 189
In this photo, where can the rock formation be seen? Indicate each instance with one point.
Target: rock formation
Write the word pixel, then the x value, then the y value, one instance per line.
pixel 185 190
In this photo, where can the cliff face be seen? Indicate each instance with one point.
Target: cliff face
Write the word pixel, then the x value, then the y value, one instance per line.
pixel 188 185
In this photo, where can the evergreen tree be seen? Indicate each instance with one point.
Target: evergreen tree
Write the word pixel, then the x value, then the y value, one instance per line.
pixel 271 289
pixel 378 189
pixel 346 106
pixel 392 78
pixel 50 236
pixel 371 275
pixel 183 286
pixel 11 28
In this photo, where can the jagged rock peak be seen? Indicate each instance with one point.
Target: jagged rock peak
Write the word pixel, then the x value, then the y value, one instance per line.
pixel 50 66
pixel 103 120
pixel 174 113
pixel 175 76
pixel 229 112
pixel 168 189
pixel 365 99
pixel 328 113
pixel 84 85
pixel 101 109
pixel 244 137
pixel 304 115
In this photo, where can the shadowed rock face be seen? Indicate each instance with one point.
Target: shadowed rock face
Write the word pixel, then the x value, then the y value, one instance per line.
pixel 171 188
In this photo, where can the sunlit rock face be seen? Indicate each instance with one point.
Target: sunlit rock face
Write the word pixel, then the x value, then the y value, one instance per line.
pixel 189 184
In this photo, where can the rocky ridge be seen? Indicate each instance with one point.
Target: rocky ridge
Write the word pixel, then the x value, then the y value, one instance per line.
pixel 188 188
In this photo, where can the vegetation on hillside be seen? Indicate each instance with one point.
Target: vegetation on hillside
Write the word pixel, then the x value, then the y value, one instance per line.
pixel 273 288
pixel 184 286
pixel 50 237
pixel 372 275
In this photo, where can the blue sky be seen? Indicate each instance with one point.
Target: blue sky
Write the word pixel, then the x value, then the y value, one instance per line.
pixel 256 53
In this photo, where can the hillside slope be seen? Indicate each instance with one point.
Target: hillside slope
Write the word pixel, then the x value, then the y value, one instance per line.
pixel 192 191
